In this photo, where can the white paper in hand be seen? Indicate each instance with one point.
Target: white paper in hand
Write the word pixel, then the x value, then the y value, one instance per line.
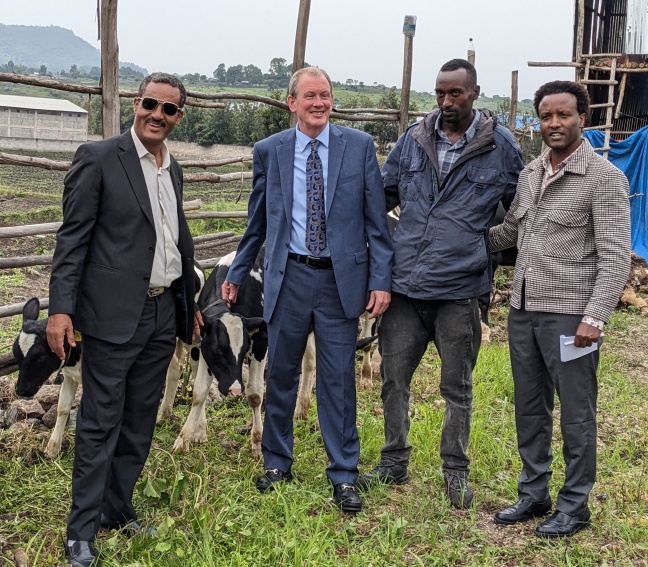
pixel 569 352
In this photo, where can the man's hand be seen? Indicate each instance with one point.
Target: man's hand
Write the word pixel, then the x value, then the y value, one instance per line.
pixel 229 291
pixel 198 323
pixel 59 326
pixel 378 303
pixel 586 335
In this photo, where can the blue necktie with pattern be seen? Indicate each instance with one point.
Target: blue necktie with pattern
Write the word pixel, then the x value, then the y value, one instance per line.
pixel 315 209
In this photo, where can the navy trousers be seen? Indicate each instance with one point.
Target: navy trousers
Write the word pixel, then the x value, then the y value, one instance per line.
pixel 122 385
pixel 309 300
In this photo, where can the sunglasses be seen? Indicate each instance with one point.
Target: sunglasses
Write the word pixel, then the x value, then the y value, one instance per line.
pixel 149 103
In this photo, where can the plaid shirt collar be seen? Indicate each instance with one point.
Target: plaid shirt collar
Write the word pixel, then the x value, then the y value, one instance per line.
pixel 550 174
pixel 447 152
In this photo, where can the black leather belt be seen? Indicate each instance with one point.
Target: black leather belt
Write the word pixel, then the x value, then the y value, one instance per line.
pixel 312 261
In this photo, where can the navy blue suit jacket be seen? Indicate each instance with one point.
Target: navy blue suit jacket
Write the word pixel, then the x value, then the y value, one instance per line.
pixel 356 223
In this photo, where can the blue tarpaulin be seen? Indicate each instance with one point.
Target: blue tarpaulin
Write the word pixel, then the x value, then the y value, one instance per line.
pixel 631 157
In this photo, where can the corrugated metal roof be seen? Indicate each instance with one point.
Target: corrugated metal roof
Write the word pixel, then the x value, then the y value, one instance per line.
pixel 37 103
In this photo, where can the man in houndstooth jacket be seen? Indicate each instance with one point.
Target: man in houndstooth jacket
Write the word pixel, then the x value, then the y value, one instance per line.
pixel 570 220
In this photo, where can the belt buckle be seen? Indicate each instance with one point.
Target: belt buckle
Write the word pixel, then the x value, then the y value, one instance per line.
pixel 155 291
pixel 314 262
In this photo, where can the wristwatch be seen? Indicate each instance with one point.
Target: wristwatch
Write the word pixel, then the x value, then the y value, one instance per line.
pixel 589 320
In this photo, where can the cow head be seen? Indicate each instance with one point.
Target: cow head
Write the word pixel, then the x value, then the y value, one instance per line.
pixel 226 341
pixel 36 361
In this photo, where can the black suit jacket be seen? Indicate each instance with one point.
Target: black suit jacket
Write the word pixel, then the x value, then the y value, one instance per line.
pixel 105 246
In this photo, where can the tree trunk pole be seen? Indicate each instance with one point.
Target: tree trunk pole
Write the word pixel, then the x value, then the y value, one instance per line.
pixel 109 69
pixel 299 55
pixel 514 101
pixel 409 29
pixel 580 31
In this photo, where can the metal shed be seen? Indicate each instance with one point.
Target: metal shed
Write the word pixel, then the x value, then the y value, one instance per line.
pixel 42 118
pixel 611 58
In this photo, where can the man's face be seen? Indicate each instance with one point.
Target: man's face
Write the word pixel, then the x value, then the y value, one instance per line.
pixel 560 123
pixel 312 104
pixel 153 126
pixel 455 94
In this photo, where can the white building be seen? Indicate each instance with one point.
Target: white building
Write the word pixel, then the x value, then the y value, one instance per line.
pixel 42 119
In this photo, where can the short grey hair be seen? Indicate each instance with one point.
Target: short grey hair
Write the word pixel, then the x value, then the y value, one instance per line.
pixel 167 79
pixel 313 72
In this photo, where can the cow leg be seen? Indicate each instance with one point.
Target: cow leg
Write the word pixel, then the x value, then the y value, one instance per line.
pixel 484 303
pixel 195 428
pixel 366 370
pixel 172 378
pixel 254 393
pixel 307 382
pixel 376 359
pixel 71 381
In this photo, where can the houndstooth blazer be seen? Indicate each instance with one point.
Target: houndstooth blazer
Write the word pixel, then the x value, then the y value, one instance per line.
pixel 573 241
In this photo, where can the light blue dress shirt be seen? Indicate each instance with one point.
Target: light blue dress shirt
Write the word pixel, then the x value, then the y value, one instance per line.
pixel 302 151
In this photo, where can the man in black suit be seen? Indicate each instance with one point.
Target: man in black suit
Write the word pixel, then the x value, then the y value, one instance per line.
pixel 123 284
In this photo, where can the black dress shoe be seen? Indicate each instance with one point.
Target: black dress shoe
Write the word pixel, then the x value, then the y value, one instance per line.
pixel 82 554
pixel 346 497
pixel 561 524
pixel 270 478
pixel 522 511
pixel 129 528
pixel 383 474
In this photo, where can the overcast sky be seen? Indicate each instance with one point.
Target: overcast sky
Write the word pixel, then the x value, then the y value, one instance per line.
pixel 351 39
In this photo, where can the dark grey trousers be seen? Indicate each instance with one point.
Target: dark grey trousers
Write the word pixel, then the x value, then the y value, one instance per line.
pixel 122 386
pixel 406 329
pixel 538 373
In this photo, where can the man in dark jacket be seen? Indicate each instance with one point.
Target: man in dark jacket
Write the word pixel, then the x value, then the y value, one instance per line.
pixel 122 283
pixel 447 173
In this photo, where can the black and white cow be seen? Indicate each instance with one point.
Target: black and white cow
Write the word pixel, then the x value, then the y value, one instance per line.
pixel 231 335
pixel 37 362
pixel 504 258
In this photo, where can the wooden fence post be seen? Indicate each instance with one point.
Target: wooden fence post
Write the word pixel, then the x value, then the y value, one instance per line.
pixel 409 29
pixel 109 69
pixel 299 55
pixel 514 101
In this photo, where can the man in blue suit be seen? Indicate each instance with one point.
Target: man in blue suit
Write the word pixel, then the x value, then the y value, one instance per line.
pixel 318 204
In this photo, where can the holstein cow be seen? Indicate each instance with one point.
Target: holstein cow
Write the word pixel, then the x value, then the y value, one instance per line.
pixel 371 357
pixel 231 335
pixel 504 258
pixel 37 362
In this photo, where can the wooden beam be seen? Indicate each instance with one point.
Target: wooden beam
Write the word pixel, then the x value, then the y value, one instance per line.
pixel 299 54
pixel 514 101
pixel 109 69
pixel 409 29
pixel 580 28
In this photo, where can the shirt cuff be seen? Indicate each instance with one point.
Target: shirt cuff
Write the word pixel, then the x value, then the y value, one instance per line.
pixel 589 320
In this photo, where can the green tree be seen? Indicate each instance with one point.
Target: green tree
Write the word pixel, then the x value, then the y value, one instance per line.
pixel 220 74
pixel 234 74
pixel 43 70
pixel 253 74
pixel 385 133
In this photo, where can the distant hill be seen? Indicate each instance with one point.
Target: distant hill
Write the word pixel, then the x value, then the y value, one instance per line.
pixel 57 48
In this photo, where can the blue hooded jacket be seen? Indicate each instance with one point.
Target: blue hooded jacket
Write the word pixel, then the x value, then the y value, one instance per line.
pixel 441 241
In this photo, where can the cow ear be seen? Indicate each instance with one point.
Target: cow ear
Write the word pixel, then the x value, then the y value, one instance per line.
pixel 253 324
pixel 31 309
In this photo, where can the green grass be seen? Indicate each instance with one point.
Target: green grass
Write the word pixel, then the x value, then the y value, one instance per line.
pixel 209 513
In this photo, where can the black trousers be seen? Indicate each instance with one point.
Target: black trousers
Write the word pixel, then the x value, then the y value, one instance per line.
pixel 122 385
pixel 534 341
